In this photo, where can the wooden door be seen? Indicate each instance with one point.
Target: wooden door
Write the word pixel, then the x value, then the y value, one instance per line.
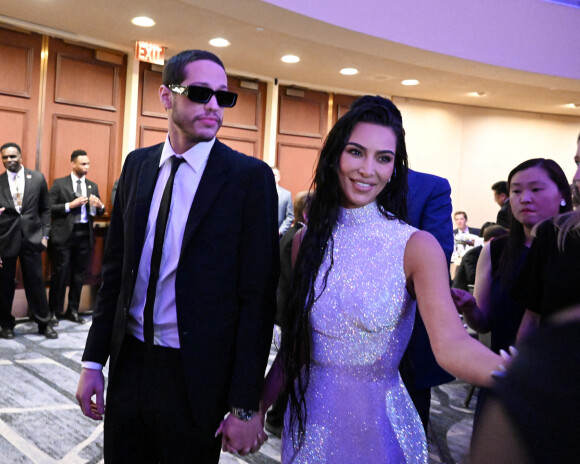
pixel 19 91
pixel 302 127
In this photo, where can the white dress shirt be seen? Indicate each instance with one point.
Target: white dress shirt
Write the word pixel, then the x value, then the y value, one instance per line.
pixel 185 186
pixel 16 182
pixel 84 217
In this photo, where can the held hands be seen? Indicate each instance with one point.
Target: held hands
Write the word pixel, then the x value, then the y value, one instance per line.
pixel 507 359
pixel 240 436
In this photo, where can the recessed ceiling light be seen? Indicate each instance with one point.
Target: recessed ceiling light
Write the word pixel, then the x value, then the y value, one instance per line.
pixel 143 21
pixel 476 94
pixel 219 42
pixel 349 71
pixel 259 28
pixel 290 59
pixel 572 105
pixel 410 82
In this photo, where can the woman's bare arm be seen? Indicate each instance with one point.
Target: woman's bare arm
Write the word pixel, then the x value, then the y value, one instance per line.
pixel 454 349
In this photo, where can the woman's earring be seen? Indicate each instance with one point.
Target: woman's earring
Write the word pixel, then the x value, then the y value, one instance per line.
pixel 563 202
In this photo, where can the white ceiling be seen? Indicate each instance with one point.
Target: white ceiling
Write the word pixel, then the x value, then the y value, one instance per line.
pixel 260 33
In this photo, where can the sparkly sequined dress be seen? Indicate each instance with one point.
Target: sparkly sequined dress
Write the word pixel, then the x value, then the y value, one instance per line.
pixel 358 410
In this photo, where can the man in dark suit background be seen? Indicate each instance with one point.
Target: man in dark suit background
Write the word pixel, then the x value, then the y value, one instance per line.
pixel 24 229
pixel 502 198
pixel 285 205
pixel 194 342
pixel 74 201
pixel 460 218
pixel 429 209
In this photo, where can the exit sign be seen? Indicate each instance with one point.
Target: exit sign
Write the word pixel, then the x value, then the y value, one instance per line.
pixel 150 53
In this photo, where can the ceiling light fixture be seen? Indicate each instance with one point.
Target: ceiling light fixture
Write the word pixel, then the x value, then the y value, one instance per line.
pixel 572 105
pixel 219 42
pixel 143 21
pixel 290 59
pixel 476 94
pixel 349 71
pixel 410 82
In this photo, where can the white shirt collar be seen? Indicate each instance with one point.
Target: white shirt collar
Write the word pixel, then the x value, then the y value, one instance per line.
pixel 196 156
pixel 74 178
pixel 19 174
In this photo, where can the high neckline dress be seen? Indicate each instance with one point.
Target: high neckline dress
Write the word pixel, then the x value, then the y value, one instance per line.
pixel 358 410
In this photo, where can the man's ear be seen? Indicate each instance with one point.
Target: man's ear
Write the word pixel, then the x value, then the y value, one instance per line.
pixel 165 97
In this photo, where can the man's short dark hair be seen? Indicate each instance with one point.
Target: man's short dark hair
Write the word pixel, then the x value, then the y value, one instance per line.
pixel 10 145
pixel 75 154
pixel 460 212
pixel 174 70
pixel 493 231
pixel 500 187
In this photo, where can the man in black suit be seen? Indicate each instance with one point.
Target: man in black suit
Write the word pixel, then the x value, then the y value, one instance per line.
pixel 24 229
pixel 74 201
pixel 502 198
pixel 187 346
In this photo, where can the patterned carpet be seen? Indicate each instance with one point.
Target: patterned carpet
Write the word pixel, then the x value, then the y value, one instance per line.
pixel 40 422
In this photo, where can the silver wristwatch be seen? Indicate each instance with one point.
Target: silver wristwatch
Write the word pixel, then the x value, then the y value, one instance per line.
pixel 243 414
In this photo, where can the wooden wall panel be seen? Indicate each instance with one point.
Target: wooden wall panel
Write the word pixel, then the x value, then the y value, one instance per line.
pixel 302 126
pixel 302 117
pixel 341 105
pixel 19 91
pixel 152 117
pixel 150 103
pixel 297 162
pixel 96 137
pixel 14 125
pixel 96 89
pixel 151 136
pixel 16 63
pixel 248 147
pixel 243 125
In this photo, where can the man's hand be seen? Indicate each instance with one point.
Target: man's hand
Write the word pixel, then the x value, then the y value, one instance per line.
pixel 44 242
pixel 96 202
pixel 240 436
pixel 78 202
pixel 91 382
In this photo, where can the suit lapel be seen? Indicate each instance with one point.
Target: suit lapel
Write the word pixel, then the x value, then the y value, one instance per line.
pixel 145 188
pixel 213 178
pixel 28 185
pixel 5 186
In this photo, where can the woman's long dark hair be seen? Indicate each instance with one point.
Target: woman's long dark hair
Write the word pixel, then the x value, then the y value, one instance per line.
pixel 510 256
pixel 322 217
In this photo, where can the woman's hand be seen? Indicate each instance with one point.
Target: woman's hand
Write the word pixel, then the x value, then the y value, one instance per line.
pixel 463 300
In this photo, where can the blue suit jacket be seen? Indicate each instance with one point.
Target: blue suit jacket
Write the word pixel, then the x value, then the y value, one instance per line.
pixel 430 210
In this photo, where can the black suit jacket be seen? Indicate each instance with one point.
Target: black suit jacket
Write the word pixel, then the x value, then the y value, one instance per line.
pixel 62 192
pixel 29 227
pixel 226 277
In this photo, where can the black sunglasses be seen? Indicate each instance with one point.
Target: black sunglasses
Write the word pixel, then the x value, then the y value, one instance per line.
pixel 203 94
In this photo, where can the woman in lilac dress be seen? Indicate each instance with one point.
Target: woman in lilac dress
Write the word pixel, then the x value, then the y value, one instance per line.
pixel 357 277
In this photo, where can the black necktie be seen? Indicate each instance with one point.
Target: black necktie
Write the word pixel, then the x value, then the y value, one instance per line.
pixel 160 227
